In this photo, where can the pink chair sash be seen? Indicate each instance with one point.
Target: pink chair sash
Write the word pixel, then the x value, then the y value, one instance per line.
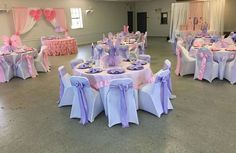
pixel 203 65
pixel 2 73
pixel 179 59
pixel 30 65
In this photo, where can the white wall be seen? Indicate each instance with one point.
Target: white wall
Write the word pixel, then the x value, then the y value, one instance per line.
pixel 107 16
pixel 154 27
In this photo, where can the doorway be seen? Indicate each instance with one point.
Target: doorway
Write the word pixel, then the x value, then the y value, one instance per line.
pixel 142 21
pixel 130 21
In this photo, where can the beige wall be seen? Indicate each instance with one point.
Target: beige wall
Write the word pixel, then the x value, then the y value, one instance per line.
pixel 230 15
pixel 154 27
pixel 154 9
pixel 107 16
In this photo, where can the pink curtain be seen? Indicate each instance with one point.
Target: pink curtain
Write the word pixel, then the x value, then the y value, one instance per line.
pixel 61 18
pixel 19 17
pixel 196 9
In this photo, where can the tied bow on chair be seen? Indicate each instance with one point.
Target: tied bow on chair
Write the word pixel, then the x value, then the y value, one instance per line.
pixel 123 104
pixel 2 73
pixel 126 29
pixel 11 43
pixel 203 65
pixel 30 61
pixel 164 92
pixel 82 101
pixel 179 59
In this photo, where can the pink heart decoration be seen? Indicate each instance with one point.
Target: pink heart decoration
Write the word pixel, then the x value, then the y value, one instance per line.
pixel 49 14
pixel 36 14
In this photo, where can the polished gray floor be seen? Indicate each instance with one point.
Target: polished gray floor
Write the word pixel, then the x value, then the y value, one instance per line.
pixel 203 119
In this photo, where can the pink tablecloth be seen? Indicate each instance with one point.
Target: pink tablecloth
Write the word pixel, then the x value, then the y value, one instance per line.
pixel 57 47
pixel 103 79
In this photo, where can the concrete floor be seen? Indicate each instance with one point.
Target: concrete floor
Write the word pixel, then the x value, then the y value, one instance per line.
pixel 203 119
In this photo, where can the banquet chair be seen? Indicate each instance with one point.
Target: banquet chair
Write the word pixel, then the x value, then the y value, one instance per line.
pixel 87 103
pixel 155 97
pixel 198 42
pixel 66 90
pixel 6 70
pixel 230 71
pixel 205 68
pixel 140 50
pixel 123 51
pixel 145 39
pixel 185 64
pixel 74 62
pixel 121 107
pixel 25 67
pixel 41 62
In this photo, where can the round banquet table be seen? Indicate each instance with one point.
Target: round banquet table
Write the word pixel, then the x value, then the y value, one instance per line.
pixel 99 80
pixel 15 56
pixel 57 47
pixel 222 57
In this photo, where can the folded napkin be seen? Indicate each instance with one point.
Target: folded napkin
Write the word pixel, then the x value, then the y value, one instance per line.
pixel 116 71
pixel 84 66
pixel 139 62
pixel 89 62
pixel 94 70
pixel 135 67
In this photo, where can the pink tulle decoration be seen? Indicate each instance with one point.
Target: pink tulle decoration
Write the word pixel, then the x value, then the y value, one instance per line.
pixel 13 41
pixel 36 14
pixel 49 14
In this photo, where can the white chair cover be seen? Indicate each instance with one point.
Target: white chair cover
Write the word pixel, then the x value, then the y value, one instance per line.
pixel 66 90
pixel 185 64
pixel 205 68
pixel 121 105
pixel 41 62
pixel 25 67
pixel 87 102
pixel 6 70
pixel 155 97
pixel 230 71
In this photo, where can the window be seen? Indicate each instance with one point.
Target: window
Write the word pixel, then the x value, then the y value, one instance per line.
pixel 76 18
pixel 164 17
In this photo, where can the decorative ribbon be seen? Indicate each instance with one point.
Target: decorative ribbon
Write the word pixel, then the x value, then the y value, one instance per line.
pixel 100 52
pixel 164 91
pixel 29 60
pixel 92 51
pixel 2 73
pixel 82 101
pixel 179 59
pixel 62 88
pixel 123 103
pixel 203 65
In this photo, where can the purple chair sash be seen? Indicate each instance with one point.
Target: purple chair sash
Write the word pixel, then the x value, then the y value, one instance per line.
pixel 30 61
pixel 164 91
pixel 92 50
pixel 82 101
pixel 100 52
pixel 2 73
pixel 123 103
pixel 62 88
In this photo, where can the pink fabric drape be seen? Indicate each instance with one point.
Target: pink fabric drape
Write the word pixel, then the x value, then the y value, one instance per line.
pixel 196 9
pixel 58 20
pixel 19 17
pixel 61 18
